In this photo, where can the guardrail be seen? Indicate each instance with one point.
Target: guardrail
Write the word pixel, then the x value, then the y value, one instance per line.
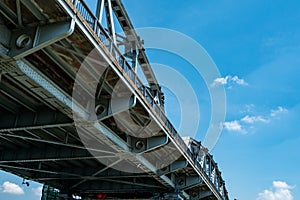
pixel 208 167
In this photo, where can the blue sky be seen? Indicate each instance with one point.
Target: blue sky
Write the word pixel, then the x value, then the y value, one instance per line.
pixel 255 45
pixel 259 43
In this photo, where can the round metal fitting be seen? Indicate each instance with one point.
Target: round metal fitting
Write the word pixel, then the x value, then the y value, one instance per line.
pixel 99 109
pixel 139 145
pixel 23 41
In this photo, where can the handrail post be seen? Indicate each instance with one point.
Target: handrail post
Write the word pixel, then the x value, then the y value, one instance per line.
pixel 75 2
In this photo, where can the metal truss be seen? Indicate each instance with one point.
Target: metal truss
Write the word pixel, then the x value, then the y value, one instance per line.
pixel 38 133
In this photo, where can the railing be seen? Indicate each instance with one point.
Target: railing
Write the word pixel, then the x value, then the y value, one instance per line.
pixel 102 34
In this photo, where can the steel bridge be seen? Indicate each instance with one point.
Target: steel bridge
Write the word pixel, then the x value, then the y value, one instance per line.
pixel 92 133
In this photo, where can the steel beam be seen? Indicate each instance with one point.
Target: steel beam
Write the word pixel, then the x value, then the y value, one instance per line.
pixel 128 29
pixel 109 61
pixel 31 169
pixel 46 86
pixel 72 174
pixel 4 36
pixel 34 9
pixel 19 13
pixel 58 143
pixel 65 99
pixel 114 186
pixel 17 96
pixel 29 40
pixel 96 173
pixel 88 170
pixel 108 134
pixel 204 194
pixel 8 105
pixel 8 13
pixel 12 143
pixel 184 182
pixel 99 10
pixel 46 154
pixel 15 80
pixel 119 105
pixel 173 167
pixel 44 118
pixel 129 177
pixel 144 145
pixel 60 62
pixel 135 183
pixel 110 20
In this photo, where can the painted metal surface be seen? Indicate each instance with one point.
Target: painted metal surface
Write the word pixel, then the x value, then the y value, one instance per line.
pixel 41 51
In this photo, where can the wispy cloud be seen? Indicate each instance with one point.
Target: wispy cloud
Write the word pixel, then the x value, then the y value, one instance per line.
pixel 37 191
pixel 11 188
pixel 229 80
pixel 243 124
pixel 249 107
pixel 280 191
pixel 252 119
pixel 278 111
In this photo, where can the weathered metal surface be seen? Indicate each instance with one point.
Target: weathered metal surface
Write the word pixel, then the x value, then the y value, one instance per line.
pixel 38 136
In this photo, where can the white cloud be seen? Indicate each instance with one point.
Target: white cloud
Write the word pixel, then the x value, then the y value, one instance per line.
pixel 220 81
pixel 278 111
pixel 37 191
pixel 252 119
pixel 229 80
pixel 243 124
pixel 281 184
pixel 11 188
pixel 233 126
pixel 280 191
pixel 248 121
pixel 239 81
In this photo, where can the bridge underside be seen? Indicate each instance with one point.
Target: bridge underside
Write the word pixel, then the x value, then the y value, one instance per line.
pixel 43 46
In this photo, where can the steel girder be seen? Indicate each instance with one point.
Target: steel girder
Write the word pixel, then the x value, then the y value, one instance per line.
pixel 59 99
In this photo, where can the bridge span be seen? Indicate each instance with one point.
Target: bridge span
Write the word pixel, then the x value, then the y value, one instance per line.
pixel 75 116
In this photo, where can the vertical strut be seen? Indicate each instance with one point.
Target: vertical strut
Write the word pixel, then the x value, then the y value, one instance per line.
pixel 99 10
pixel 110 20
